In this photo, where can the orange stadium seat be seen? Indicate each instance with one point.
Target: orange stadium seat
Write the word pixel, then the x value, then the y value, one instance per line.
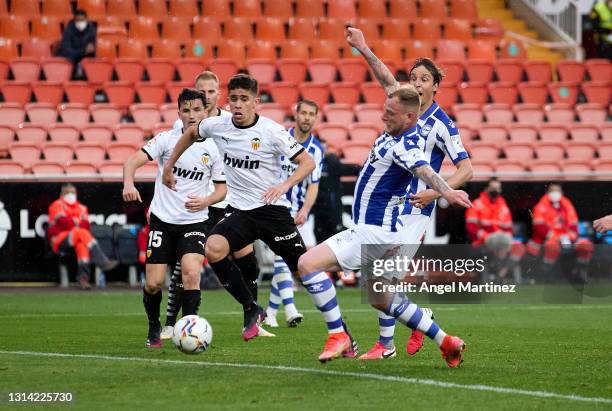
pixel 553 132
pixel 605 150
pixel 576 166
pixel 528 113
pixel 550 151
pixel 364 132
pixel 198 50
pixel 129 69
pixel 207 29
pixel 247 8
pixel 97 133
pixel 563 92
pixel 334 134
pixel 167 49
pixel 112 28
pixel 482 167
pixel 338 113
pixel 105 49
pixel 25 153
pixel 76 114
pixel 145 115
pixel 132 133
pixel 60 152
pixel 261 49
pixel 498 113
pixel 176 28
pixel 11 114
pixel 46 28
pixel 272 110
pixel 120 151
pixel 132 48
pixel 224 68
pixel 8 167
pixel 508 70
pixel 16 91
pixel 451 50
pixel 519 151
pixel 44 113
pixel 189 8
pixel 373 93
pixel 432 9
pixel 473 93
pixel 389 52
pixel 559 113
pixel 309 8
pixel 25 8
pixel 56 8
pixel 63 133
pixel 482 49
pixel 355 153
pixel 520 133
pixel 502 92
pixel 47 168
pixel 7 137
pixel 302 29
pixel 538 70
pixel 332 29
pixel 544 166
pixel 584 133
pixel 91 151
pixel 79 92
pixel 112 168
pixel 317 92
pixel 292 69
pixel 238 28
pixel 403 9
pixel 25 69
pixel 189 68
pixel 483 151
pixel 464 9
pixel 95 9
pixel 469 114
pixel 396 29
pixel 571 70
pixel 174 88
pixel 270 29
pixel 495 134
pixel 48 92
pixel 263 69
pixel 342 9
pixel 368 113
pixel 105 113
pixel 57 69
pixel 419 48
pixel 447 95
pixel 508 48
pixel 323 49
pixel 372 9
pixel 294 49
pixel 143 28
pixel 160 69
pixel 121 8
pixel 80 167
pixel 8 49
pixel 353 70
pixel 152 8
pixel 453 70
pixel 533 92
pixel 285 94
pixel 591 113
pixel 322 70
pixel 597 92
pixel 14 27
pixel 31 133
pixel 212 8
pixel 231 49
pixel 457 29
pixel 36 48
pixel 467 134
pixel 580 151
pixel 426 29
pixel 605 130
pixel 98 70
pixel 345 92
pixel 151 92
pixel 479 70
pixel 281 9
pixel 599 69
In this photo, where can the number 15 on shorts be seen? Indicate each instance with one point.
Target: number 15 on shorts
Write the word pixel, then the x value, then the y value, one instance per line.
pixel 155 239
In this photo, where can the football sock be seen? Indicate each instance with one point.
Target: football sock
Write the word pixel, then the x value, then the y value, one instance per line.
pixel 275 299
pixel 412 316
pixel 151 303
pixel 386 324
pixel 231 278
pixel 250 271
pixel 323 294
pixel 175 291
pixel 284 284
pixel 191 301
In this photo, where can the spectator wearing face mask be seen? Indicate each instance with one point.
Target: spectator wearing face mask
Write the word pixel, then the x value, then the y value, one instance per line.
pixel 555 225
pixel 489 227
pixel 69 229
pixel 79 39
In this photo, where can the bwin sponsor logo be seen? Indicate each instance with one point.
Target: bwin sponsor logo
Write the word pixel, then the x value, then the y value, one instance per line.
pixel 240 163
pixel 188 174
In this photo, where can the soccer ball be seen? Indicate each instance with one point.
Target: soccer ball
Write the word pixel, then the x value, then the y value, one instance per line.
pixel 192 334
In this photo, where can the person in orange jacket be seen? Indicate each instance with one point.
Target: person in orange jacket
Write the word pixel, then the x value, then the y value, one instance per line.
pixel 69 229
pixel 489 227
pixel 555 225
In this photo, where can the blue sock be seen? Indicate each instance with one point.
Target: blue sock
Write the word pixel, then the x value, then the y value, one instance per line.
pixel 386 324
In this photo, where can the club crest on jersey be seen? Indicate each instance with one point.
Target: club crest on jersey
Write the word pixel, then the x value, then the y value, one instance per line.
pixel 205 158
pixel 372 156
pixel 255 143
pixel 148 253
pixel 425 130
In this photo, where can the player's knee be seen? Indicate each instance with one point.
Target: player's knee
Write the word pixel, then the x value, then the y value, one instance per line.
pixel 305 264
pixel 152 286
pixel 191 279
pixel 217 248
pixel 379 306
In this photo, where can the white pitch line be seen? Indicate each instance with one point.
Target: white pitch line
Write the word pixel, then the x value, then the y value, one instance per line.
pixel 380 377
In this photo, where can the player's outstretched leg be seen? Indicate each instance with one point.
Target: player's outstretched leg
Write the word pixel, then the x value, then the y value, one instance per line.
pixel 151 299
pixel 384 347
pixel 173 306
pixel 413 317
pixel 284 288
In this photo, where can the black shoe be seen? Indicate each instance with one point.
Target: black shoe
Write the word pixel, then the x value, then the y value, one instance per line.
pixel 252 318
pixel 154 338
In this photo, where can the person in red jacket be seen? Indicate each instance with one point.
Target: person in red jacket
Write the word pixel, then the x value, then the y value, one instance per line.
pixel 489 226
pixel 69 229
pixel 555 225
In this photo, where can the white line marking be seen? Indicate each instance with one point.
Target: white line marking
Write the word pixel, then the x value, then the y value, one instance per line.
pixel 380 377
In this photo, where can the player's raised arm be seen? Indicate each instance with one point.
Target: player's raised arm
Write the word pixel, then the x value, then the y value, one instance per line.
pixel 305 164
pixel 462 175
pixel 190 135
pixel 136 160
pixel 433 179
pixel 384 76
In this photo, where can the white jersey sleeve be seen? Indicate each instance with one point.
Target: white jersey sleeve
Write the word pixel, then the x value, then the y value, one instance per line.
pixel 449 141
pixel 157 146
pixel 178 124
pixel 284 143
pixel 408 155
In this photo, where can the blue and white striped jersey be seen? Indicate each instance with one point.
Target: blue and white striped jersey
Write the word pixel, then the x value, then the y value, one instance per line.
pixel 438 137
pixel 380 191
pixel 297 194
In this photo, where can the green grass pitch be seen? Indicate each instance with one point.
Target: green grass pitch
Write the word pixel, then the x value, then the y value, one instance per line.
pixel 527 357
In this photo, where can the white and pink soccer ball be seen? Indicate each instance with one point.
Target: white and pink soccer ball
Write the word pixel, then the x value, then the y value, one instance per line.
pixel 192 334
